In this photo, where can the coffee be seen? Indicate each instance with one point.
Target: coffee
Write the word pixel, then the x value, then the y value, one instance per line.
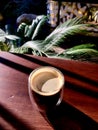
pixel 48 86
pixel 45 87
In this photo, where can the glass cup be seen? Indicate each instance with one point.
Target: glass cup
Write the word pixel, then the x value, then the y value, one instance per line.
pixel 45 86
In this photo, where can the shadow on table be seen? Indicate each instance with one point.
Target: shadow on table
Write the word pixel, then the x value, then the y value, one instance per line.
pixel 44 62
pixel 12 120
pixel 65 117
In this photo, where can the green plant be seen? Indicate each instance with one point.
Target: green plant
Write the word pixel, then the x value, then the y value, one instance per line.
pixel 61 35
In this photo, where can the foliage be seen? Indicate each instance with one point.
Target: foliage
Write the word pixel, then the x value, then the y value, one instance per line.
pixel 4 47
pixel 84 52
pixel 60 35
pixel 67 31
pixel 2 35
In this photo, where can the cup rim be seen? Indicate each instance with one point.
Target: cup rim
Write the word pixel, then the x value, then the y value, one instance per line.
pixel 43 93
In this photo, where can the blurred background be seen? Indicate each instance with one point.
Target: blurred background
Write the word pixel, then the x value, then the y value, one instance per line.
pixel 10 10
pixel 58 11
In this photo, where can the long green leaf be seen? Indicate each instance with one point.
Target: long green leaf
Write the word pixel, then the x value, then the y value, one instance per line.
pixel 42 29
pixel 66 31
pixel 30 47
pixel 37 44
pixel 86 52
pixel 2 35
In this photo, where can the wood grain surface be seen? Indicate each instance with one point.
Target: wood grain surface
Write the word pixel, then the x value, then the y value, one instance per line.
pixel 78 110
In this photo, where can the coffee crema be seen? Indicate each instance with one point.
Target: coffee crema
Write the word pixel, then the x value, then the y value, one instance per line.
pixel 48 86
pixel 46 81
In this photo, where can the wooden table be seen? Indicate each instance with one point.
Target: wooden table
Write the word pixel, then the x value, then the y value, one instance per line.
pixel 78 111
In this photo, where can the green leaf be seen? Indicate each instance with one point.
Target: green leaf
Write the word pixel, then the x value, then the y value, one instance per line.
pixel 33 26
pixel 30 47
pixel 83 46
pixel 2 35
pixel 85 52
pixel 31 29
pixel 21 29
pixel 42 29
pixel 37 44
pixel 21 50
pixel 65 32
pixel 4 46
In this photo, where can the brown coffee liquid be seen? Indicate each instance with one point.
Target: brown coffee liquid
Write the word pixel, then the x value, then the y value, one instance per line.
pixel 41 78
